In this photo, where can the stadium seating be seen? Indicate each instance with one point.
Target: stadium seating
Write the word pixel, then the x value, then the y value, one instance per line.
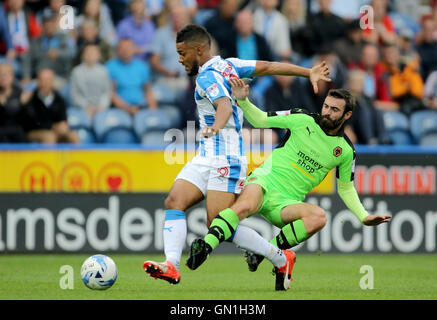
pixel 79 121
pixel 154 137
pixel 115 126
pixel 78 118
pixel 423 126
pixel 173 113
pixel 151 120
pixel 398 127
pixel 429 139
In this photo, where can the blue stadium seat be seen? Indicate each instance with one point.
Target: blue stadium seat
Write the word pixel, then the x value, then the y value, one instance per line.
pixel 163 94
pixel 78 118
pixel 149 120
pixel 154 137
pixel 422 123
pixel 109 123
pixel 120 135
pixel 173 113
pixel 400 137
pixel 86 135
pixel 398 127
pixel 429 139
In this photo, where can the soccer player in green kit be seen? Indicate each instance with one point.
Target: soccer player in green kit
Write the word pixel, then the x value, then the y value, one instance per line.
pixel 314 145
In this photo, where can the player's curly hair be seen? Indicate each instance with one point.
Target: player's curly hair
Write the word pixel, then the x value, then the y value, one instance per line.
pixel 193 33
pixel 346 96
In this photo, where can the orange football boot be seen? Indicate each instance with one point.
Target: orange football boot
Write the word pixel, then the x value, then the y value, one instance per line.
pixel 162 270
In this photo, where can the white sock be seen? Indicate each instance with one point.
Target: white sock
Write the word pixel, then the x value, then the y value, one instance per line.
pixel 175 234
pixel 248 239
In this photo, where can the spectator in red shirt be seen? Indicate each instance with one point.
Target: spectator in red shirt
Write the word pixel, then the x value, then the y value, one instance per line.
pixel 383 30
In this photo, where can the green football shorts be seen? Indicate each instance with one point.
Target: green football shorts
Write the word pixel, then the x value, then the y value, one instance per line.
pixel 274 200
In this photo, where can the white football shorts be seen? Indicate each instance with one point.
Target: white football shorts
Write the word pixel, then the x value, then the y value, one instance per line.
pixel 224 173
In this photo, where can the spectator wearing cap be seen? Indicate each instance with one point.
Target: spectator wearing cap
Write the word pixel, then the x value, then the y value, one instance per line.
pixel 90 85
pixel 131 80
pixel 45 115
pixel 138 27
pixel 50 50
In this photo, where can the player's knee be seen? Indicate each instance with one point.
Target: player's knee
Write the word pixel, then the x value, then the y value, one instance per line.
pixel 243 208
pixel 172 202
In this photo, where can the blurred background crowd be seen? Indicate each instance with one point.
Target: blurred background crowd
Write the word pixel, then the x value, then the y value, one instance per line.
pixel 114 77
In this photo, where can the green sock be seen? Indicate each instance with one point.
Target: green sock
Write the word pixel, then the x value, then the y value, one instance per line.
pixel 222 228
pixel 291 235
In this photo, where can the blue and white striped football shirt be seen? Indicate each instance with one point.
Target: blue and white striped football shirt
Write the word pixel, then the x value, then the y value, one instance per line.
pixel 212 83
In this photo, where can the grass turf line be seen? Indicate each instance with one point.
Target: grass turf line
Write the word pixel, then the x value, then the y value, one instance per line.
pixel 326 276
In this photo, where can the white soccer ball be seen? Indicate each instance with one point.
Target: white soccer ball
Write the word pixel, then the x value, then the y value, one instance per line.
pixel 99 272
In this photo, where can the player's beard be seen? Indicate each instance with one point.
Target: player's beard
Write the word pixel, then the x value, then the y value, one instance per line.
pixel 194 69
pixel 328 125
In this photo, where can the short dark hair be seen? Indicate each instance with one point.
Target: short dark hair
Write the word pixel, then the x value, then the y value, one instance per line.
pixel 193 33
pixel 346 96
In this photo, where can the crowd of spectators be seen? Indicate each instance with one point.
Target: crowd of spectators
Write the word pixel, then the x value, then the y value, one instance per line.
pixel 121 54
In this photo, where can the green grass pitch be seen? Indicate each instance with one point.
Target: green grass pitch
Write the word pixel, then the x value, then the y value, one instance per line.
pixel 225 277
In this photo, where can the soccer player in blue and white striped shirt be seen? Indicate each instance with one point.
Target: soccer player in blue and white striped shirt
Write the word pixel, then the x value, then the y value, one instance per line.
pixel 218 170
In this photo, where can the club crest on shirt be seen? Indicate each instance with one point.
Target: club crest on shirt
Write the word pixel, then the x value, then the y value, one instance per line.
pixel 337 151
pixel 213 90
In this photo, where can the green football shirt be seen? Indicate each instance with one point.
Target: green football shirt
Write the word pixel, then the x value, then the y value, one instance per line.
pixel 305 156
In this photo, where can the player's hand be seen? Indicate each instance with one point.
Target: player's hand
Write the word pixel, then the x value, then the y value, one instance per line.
pixel 240 89
pixel 374 219
pixel 319 72
pixel 208 132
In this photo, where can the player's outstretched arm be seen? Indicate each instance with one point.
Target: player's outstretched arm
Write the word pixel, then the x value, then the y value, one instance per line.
pixel 316 73
pixel 253 114
pixel 349 195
